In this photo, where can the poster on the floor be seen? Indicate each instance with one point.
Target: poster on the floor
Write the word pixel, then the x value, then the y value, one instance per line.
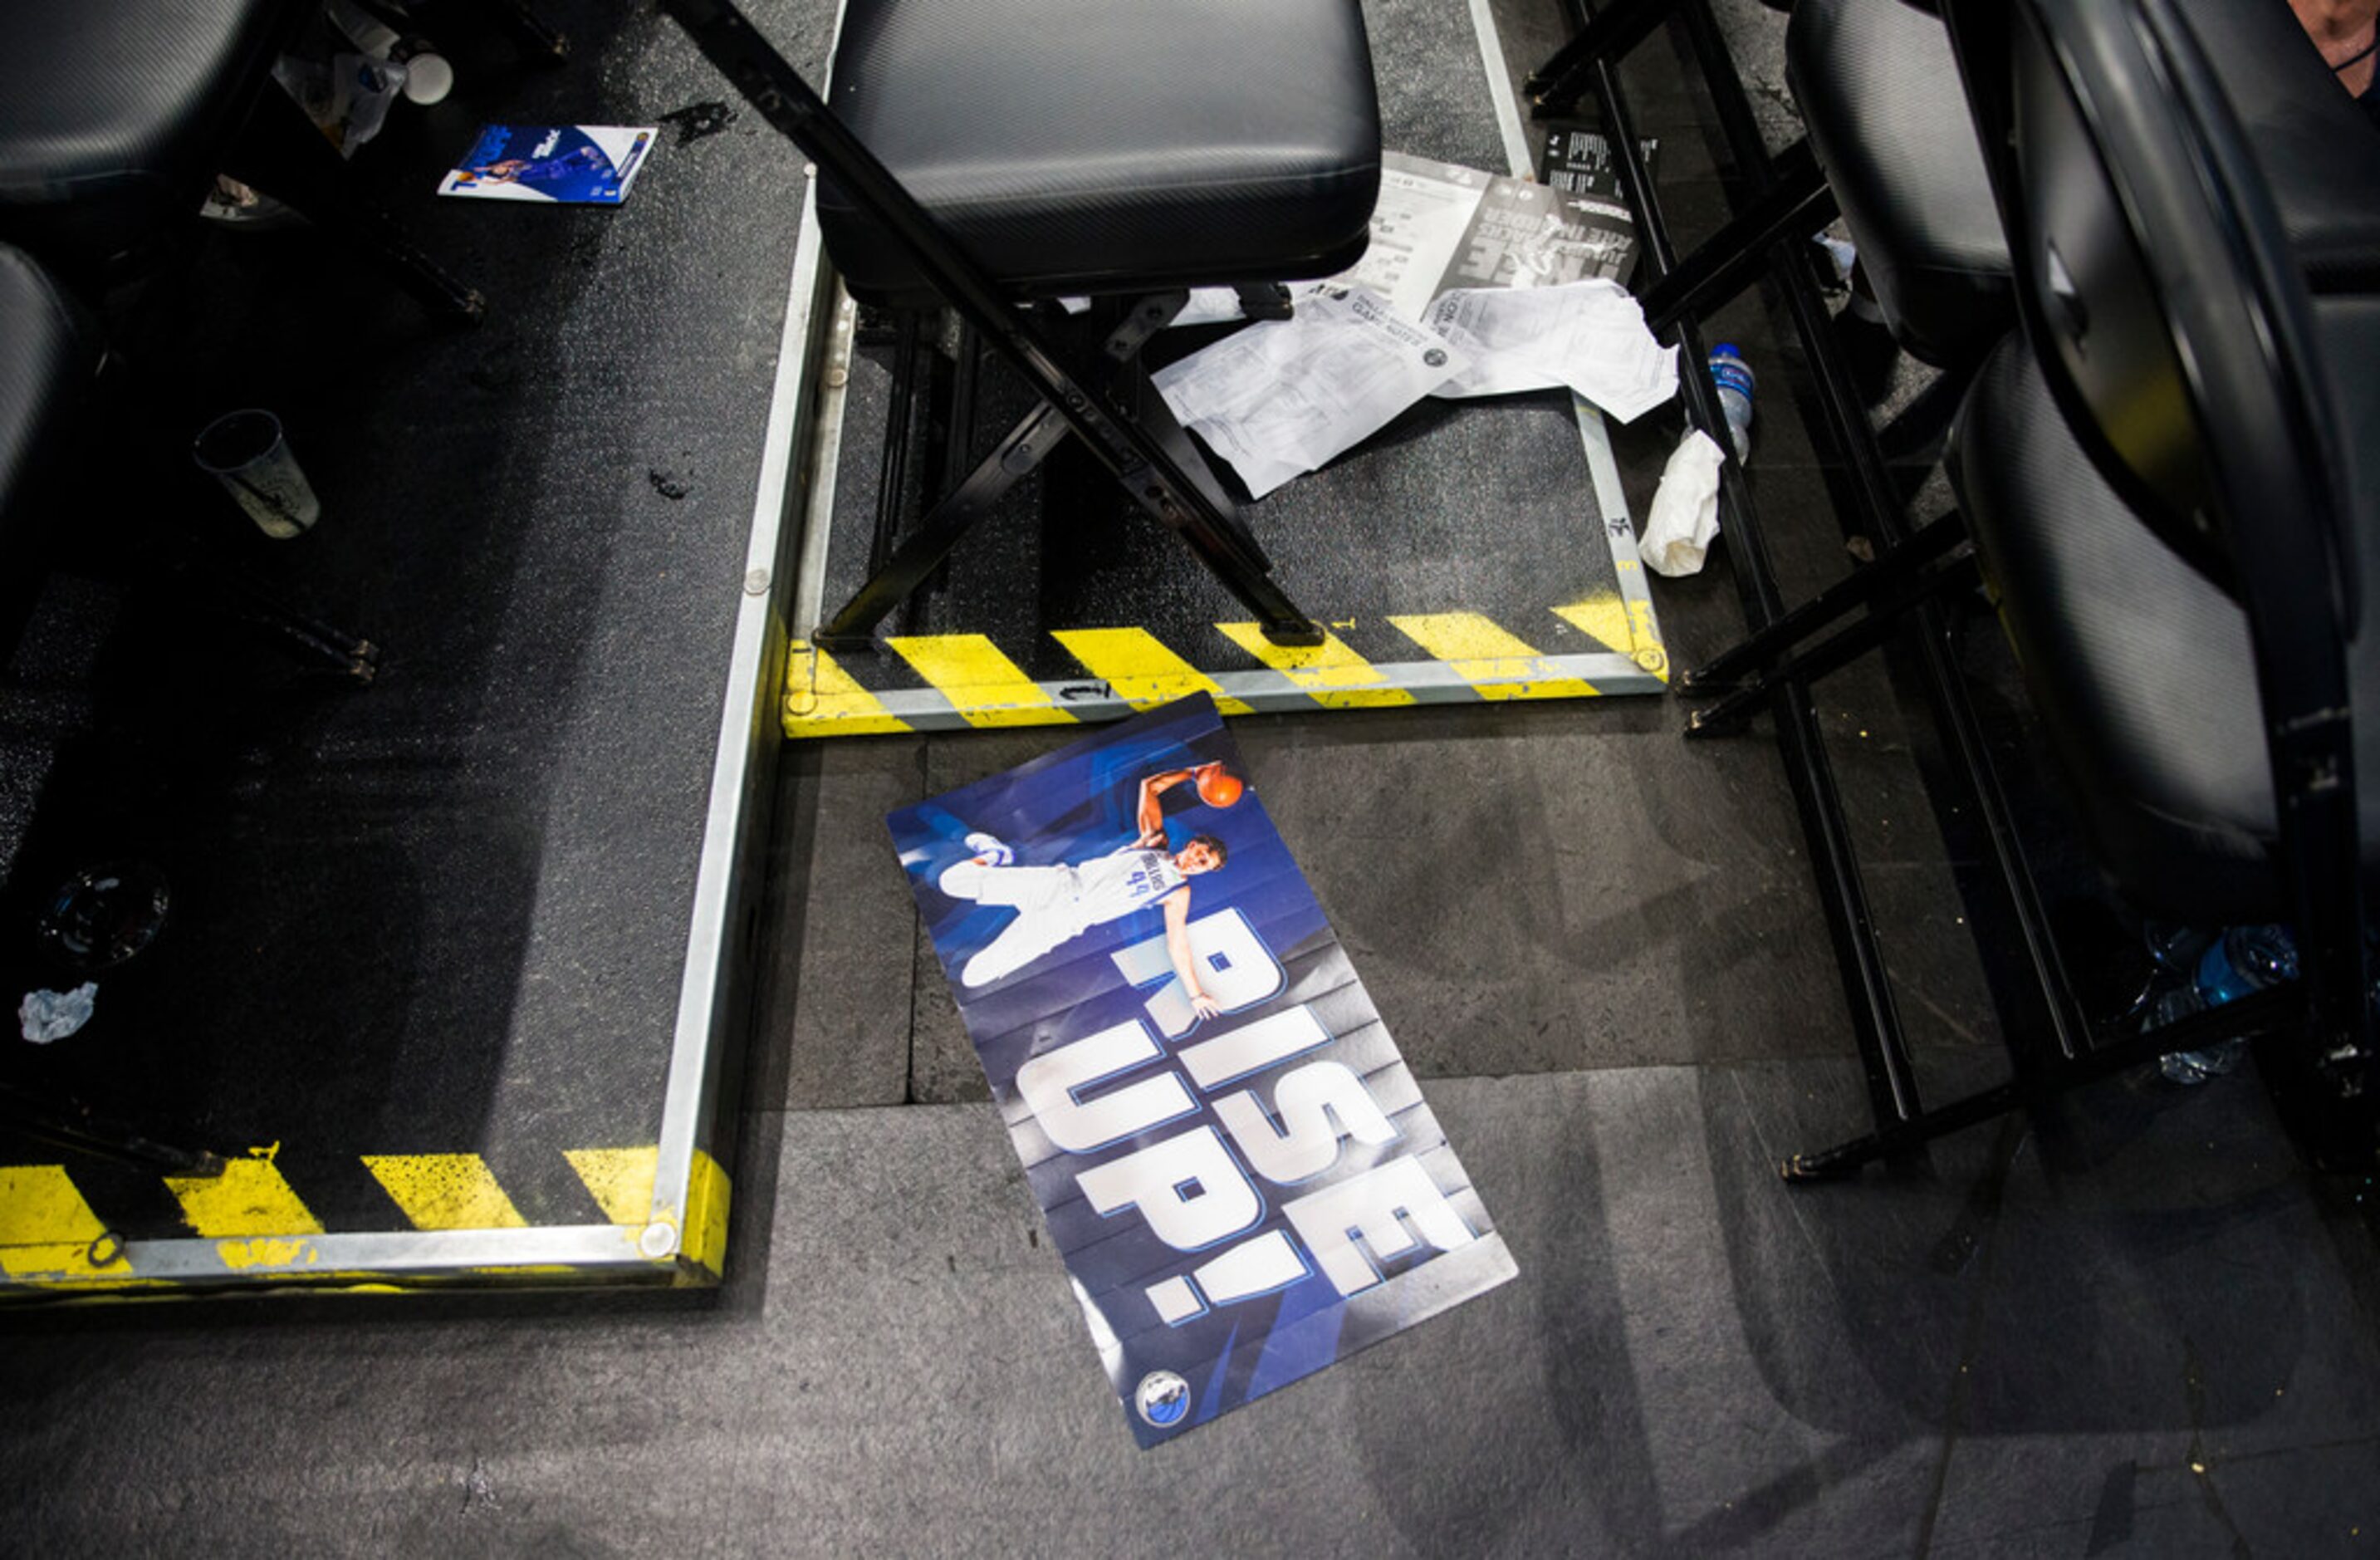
pixel 565 165
pixel 1241 1173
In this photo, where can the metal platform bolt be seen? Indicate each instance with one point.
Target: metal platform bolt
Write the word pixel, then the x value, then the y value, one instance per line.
pixel 755 584
pixel 659 1240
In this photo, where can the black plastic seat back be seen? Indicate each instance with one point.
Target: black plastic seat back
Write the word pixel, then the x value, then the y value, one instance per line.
pixel 2160 291
pixel 114 114
pixel 2170 317
pixel 1869 77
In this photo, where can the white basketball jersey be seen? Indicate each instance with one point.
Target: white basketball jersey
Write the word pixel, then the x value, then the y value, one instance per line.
pixel 1129 879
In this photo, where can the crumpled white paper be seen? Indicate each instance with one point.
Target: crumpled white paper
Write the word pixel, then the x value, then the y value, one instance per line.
pixel 1588 336
pixel 1684 520
pixel 44 1017
pixel 1284 396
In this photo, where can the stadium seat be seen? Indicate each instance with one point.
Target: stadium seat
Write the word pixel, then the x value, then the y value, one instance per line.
pixel 2171 482
pixel 116 115
pixel 1871 76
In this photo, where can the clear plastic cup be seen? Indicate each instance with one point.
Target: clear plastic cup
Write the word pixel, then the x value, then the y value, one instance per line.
pixel 246 451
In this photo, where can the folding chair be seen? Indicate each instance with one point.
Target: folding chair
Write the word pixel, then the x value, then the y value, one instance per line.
pixel 997 156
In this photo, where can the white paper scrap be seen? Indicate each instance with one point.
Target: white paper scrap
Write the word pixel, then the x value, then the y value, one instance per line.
pixel 1285 395
pixel 1589 335
pixel 1684 520
pixel 44 1017
pixel 1417 228
pixel 1210 306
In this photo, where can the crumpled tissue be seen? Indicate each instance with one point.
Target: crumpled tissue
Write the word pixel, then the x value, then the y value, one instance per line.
pixel 1686 508
pixel 47 1016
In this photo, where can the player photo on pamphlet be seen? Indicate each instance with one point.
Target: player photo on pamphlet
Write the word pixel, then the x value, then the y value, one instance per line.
pixel 1240 1173
pixel 552 164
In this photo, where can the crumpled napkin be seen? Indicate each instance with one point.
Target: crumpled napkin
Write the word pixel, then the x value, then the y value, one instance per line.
pixel 44 1017
pixel 1679 532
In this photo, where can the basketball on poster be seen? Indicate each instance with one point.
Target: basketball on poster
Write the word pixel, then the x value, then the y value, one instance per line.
pixel 1238 1169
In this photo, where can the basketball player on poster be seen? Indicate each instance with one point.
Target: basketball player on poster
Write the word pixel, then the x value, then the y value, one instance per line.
pixel 1055 905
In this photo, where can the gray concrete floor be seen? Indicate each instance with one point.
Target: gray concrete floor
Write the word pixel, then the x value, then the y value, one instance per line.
pixel 2132 1324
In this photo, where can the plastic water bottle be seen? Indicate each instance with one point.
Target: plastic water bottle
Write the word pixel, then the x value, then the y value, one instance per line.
pixel 1733 375
pixel 2243 960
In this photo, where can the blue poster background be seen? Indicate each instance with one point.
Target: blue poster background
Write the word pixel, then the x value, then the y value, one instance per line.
pixel 1179 1347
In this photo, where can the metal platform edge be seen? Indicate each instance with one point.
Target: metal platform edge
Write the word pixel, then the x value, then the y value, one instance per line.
pixel 1594 433
pixel 819 701
pixel 677 1238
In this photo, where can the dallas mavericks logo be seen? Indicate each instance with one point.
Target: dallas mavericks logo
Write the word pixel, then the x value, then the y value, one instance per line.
pixel 1163 1398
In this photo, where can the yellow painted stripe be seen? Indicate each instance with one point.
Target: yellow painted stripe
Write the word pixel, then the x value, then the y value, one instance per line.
pixel 1494 662
pixel 985 685
pixel 620 1180
pixel 1140 668
pixel 249 1198
pixel 445 1190
pixel 268 1251
pixel 705 1216
pixel 1331 674
pixel 823 699
pixel 1621 624
pixel 1601 619
pixel 46 1229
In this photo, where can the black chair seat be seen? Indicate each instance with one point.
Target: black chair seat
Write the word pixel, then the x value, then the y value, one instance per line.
pixel 1083 146
pixel 2141 669
pixel 92 161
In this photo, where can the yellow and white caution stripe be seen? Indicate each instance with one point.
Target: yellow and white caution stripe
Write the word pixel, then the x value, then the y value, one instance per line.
pixel 451 1222
pixel 949 682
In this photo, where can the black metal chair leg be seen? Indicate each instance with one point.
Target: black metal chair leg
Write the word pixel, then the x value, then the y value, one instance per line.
pixel 1893 1091
pixel 1797 205
pixel 1026 446
pixel 279 150
pixel 893 469
pixel 532 31
pixel 1555 86
pixel 2274 1010
pixel 1864 587
pixel 1829 654
pixel 73 1126
pixel 1214 530
pixel 228 590
pixel 1834 653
